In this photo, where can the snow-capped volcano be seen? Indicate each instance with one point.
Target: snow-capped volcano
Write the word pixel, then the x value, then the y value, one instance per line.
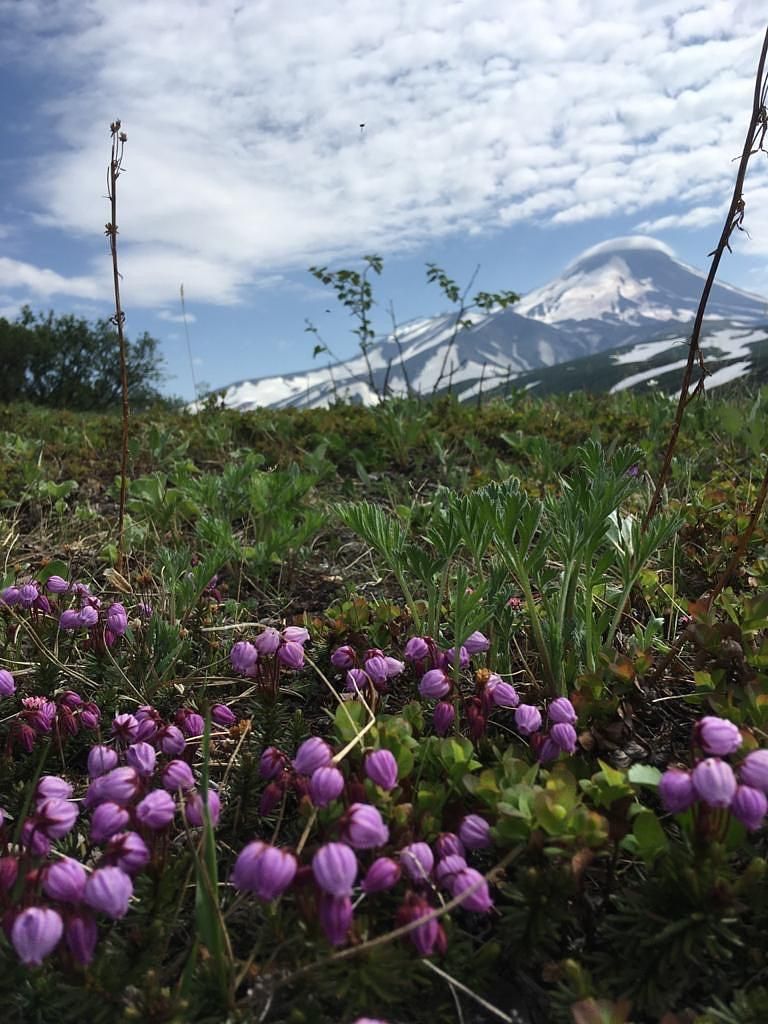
pixel 623 291
pixel 628 289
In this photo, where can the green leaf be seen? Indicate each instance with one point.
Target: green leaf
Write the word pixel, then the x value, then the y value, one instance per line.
pixel 644 775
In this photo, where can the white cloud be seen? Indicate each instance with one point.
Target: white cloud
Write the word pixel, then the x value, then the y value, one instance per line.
pixel 175 318
pixel 42 283
pixel 245 158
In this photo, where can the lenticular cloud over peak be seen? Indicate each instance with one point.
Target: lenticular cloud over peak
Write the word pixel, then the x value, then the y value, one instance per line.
pixel 621 245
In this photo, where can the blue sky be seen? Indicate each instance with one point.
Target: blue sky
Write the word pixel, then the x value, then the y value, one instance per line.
pixel 507 134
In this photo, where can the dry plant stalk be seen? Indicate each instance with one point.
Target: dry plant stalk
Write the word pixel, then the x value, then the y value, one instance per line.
pixel 754 143
pixel 119 138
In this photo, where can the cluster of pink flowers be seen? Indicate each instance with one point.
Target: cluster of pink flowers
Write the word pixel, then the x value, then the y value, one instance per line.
pixel 105 624
pixel 271 650
pixel 37 716
pixel 138 783
pixel 361 832
pixel 714 784
pixel 433 668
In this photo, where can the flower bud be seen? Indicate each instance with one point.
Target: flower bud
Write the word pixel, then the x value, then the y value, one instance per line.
pixel 56 585
pixel 475 832
pixel 443 717
pixel 101 760
pixel 127 851
pixel 313 753
pixel 243 658
pixel 81 935
pixel 7 683
pixel 335 916
pixel 676 791
pixel 417 861
pixel 344 657
pixel 564 736
pixel 36 933
pixel 65 880
pixel 365 828
pixel 750 807
pixel 717 736
pixel 291 655
pixel 477 643
pixel 447 844
pixel 295 635
pixel 334 867
pixel 527 719
pixel 267 642
pixel 264 870
pixel 272 763
pixel 416 649
pixel 117 619
pixel 753 770
pixel 109 890
pixel 178 775
pixel 381 875
pixel 52 786
pixel 714 782
pixel 143 757
pixel 56 817
pixel 194 808
pixel 221 715
pixel 107 819
pixel 156 811
pixel 561 710
pixel 325 785
pixel 434 684
pixel 479 899
pixel 381 768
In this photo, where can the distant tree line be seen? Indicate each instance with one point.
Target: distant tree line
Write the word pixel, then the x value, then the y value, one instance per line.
pixel 67 362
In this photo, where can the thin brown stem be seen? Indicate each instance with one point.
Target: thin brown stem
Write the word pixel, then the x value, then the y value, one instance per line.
pixel 119 139
pixel 733 221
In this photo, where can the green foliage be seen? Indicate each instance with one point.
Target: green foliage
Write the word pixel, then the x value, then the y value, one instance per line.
pixel 66 362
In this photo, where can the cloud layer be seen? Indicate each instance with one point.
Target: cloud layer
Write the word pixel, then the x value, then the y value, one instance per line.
pixel 245 154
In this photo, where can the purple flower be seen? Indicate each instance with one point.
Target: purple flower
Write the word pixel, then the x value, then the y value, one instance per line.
pixel 356 681
pixel 564 735
pixel 53 785
pixel 156 810
pixel 443 717
pixel 39 712
pixel 477 643
pixel 717 736
pixel 344 657
pixel 334 867
pixel 125 728
pixel 295 635
pixel 562 711
pixel 448 844
pixel 10 596
pixel 291 654
pixel 753 770
pixel 426 936
pixel 143 757
pixel 365 827
pixel 192 724
pixel 171 740
pixel 501 694
pixel 676 791
pixel 9 872
pixel 28 594
pixel 57 585
pixel 107 819
pixel 127 851
pixel 119 785
pixel 81 935
pixel 35 934
pixel 70 619
pixel 714 782
pixel 381 768
pixel 417 861
pixel 178 775
pixel 90 716
pixel 376 670
pixel 65 880
pixel 272 763
pixel 479 900
pixel 56 817
pixel 416 649
pixel 243 658
pixel 450 654
pixel 313 753
pixel 475 832
pixel 264 870
pixel 434 684
pixel 548 749
pixel 750 807
pixel 221 715
pixel 7 684
pixel 527 719
pixel 101 760
pixel 34 839
pixel 267 643
pixel 335 915
pixel 117 619
pixel 89 616
pixel 109 891
pixel 381 875
pixel 448 868
pixel 194 808
pixel 325 785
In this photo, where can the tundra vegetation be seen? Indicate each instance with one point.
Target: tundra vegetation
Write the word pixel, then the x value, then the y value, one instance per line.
pixel 398 714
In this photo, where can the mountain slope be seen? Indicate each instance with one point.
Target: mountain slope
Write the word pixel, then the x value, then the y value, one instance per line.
pixel 630 289
pixel 731 354
pixel 627 290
